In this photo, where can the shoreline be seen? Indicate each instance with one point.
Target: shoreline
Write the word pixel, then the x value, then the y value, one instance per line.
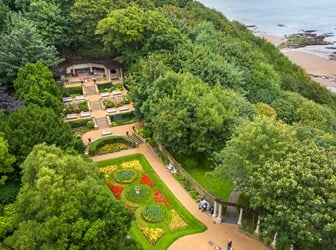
pixel 320 69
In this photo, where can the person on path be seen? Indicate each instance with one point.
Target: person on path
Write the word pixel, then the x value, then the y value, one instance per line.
pixel 229 245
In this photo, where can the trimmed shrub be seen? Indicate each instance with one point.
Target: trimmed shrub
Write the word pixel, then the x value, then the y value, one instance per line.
pixel 125 176
pixel 154 213
pixel 138 194
pixel 110 140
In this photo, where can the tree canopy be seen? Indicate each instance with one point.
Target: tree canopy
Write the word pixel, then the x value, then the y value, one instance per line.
pixel 133 32
pixel 35 85
pixel 63 203
pixel 20 43
pixel 6 160
pixel 32 125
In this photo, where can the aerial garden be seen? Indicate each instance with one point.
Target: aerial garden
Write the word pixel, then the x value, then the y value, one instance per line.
pixel 159 218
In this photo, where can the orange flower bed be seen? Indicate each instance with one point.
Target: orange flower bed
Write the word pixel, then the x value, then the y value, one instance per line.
pixel 116 190
pixel 146 180
pixel 159 197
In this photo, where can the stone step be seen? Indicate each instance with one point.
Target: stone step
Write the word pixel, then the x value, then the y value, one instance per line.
pixel 102 122
pixel 90 90
pixel 95 105
pixel 137 139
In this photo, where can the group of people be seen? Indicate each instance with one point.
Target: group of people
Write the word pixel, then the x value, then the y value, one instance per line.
pixel 205 206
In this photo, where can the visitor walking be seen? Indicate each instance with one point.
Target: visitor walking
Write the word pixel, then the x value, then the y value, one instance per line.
pixel 229 245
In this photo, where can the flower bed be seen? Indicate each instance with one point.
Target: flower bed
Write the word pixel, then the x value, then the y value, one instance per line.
pixel 107 171
pixel 152 234
pixel 143 194
pixel 125 176
pixel 159 197
pixel 116 190
pixel 111 148
pixel 135 164
pixel 176 221
pixel 154 213
pixel 147 181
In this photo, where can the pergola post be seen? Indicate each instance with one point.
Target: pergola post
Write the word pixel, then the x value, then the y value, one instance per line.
pixel 215 209
pixel 273 244
pixel 258 226
pixel 219 216
pixel 240 219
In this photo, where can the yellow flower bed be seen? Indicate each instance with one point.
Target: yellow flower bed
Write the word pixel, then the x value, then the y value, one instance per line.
pixel 107 171
pixel 135 164
pixel 152 234
pixel 176 222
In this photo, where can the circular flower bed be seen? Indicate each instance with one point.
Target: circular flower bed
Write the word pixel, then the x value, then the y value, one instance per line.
pixel 125 176
pixel 154 213
pixel 138 194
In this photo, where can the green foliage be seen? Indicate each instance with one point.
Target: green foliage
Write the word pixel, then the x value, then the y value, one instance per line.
pixel 32 125
pixel 85 15
pixel 96 145
pixel 50 23
pixel 20 44
pixel 109 87
pixel 62 204
pixel 75 90
pixel 154 213
pixel 133 32
pixel 144 194
pixel 295 109
pixel 6 160
pixel 124 176
pixel 3 14
pixel 253 144
pixel 76 107
pixel 35 85
pixel 297 186
pixel 123 119
pixel 8 193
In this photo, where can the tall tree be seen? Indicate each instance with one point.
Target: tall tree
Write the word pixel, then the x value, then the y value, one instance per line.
pixel 63 204
pixel 6 160
pixel 86 14
pixel 4 10
pixel 298 193
pixel 35 85
pixel 254 143
pixel 50 22
pixel 133 32
pixel 189 116
pixel 32 125
pixel 20 44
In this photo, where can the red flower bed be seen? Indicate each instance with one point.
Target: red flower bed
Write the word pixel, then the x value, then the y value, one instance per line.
pixel 146 180
pixel 159 197
pixel 116 190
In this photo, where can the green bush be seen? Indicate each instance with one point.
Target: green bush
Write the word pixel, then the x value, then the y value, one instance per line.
pixel 105 87
pixel 96 145
pixel 124 176
pixel 73 91
pixel 81 123
pixel 122 119
pixel 83 106
pixel 154 213
pixel 144 194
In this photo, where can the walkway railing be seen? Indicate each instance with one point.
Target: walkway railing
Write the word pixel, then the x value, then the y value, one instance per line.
pixel 212 199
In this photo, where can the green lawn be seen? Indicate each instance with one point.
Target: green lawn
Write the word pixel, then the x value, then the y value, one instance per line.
pixel 193 225
pixel 199 168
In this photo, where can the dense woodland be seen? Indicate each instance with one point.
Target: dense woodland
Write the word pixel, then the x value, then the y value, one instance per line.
pixel 204 86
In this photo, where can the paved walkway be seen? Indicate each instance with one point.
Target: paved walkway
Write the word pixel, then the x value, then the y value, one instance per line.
pixel 216 234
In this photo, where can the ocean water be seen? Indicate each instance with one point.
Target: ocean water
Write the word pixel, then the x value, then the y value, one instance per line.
pixel 292 15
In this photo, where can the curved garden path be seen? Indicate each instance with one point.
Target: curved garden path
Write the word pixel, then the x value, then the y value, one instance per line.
pixel 217 234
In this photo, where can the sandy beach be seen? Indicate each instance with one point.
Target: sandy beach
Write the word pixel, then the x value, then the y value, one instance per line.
pixel 321 69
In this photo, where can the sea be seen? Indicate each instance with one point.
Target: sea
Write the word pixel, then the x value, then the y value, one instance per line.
pixel 283 18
